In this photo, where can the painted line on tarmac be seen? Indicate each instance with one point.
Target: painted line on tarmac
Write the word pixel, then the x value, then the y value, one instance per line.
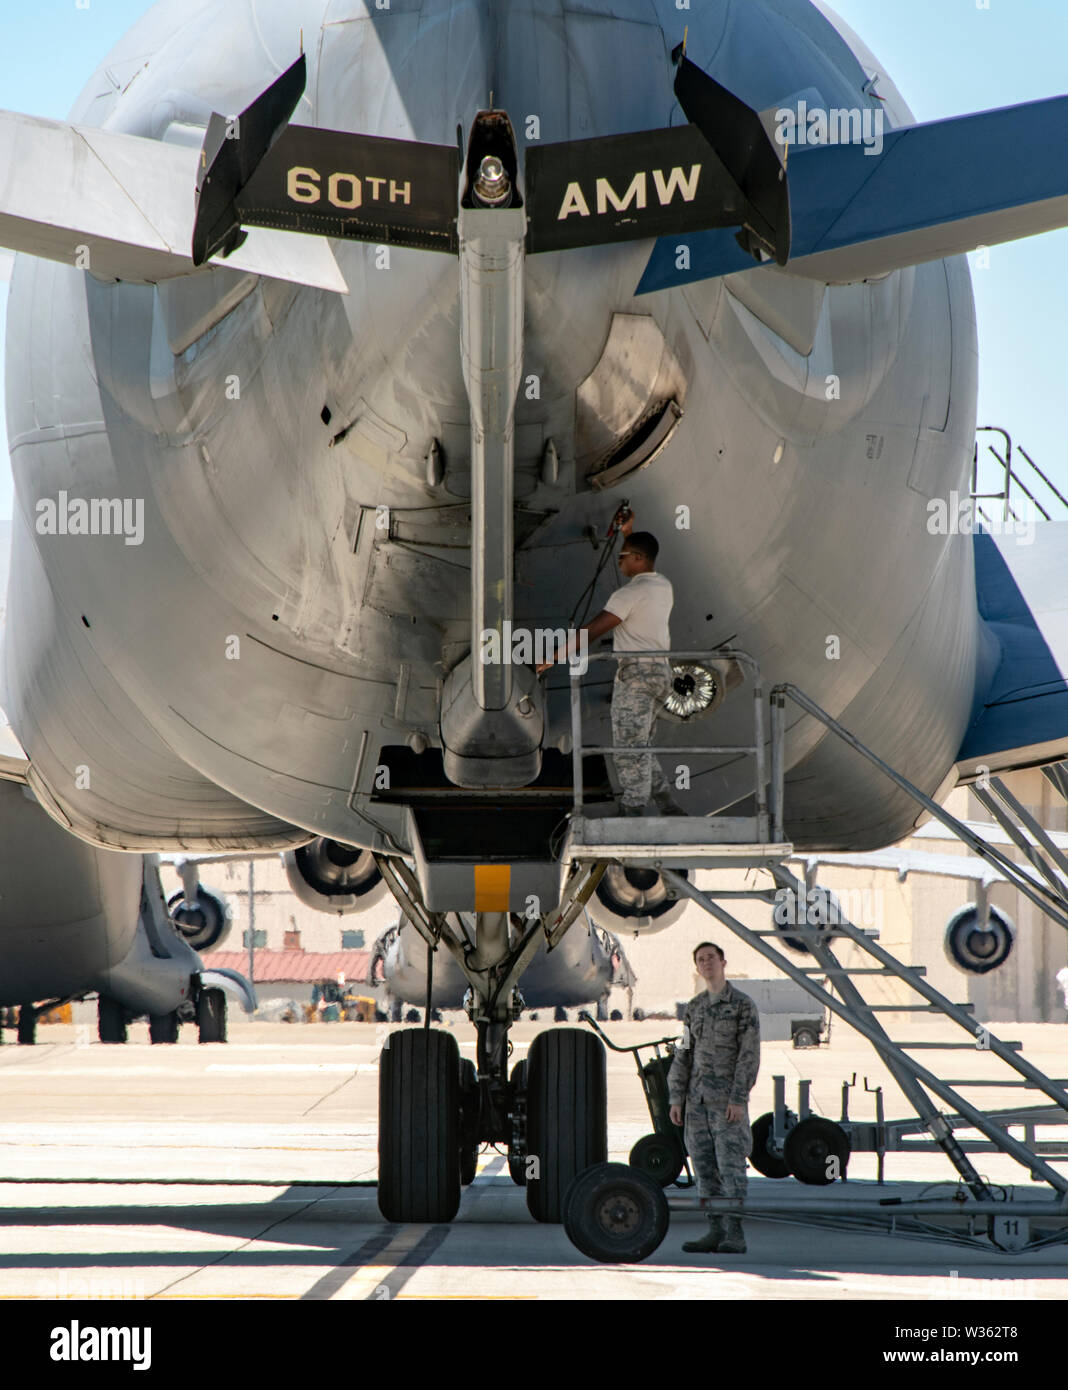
pixel 381 1266
pixel 355 1264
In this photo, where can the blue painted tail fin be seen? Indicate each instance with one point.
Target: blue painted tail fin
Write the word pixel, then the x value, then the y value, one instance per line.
pixel 1020 718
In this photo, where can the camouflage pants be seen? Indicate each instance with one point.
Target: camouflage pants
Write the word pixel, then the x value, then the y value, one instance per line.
pixel 637 696
pixel 718 1147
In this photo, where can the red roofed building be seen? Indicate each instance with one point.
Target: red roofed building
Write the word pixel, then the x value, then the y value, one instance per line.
pixel 275 967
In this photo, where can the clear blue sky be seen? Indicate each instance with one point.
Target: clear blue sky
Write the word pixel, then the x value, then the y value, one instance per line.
pixel 948 57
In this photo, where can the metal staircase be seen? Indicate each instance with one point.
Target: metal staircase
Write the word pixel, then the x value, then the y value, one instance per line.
pixel 979 1210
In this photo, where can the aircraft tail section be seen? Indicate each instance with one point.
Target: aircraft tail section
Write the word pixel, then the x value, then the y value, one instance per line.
pixel 1020 718
pixel 869 200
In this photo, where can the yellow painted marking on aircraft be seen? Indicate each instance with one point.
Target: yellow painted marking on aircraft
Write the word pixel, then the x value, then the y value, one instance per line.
pixel 493 884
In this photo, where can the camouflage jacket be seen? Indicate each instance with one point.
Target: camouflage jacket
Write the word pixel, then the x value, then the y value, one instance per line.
pixel 720 1049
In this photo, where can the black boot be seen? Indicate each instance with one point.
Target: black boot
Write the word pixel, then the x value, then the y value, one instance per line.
pixel 733 1242
pixel 710 1243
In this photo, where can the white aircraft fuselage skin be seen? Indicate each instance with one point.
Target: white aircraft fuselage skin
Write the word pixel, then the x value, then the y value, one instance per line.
pixel 230 680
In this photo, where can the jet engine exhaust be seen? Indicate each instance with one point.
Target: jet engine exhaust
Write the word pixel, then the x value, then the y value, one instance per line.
pixel 331 877
pixel 203 922
pixel 633 899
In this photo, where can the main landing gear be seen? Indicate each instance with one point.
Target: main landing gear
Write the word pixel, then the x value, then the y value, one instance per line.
pixel 436 1109
pixel 434 1112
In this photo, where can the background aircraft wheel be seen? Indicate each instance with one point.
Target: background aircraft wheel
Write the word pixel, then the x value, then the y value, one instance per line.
pixel 211 1016
pixel 517 1165
pixel 765 1162
pixel 419 1126
pixel 816 1151
pixel 658 1156
pixel 468 1122
pixel 567 1120
pixel 163 1028
pixel 806 1037
pixel 110 1020
pixel 27 1025
pixel 615 1213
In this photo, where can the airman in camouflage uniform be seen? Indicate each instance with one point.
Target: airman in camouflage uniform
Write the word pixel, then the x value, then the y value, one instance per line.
pixel 637 616
pixel 714 1070
pixel 638 695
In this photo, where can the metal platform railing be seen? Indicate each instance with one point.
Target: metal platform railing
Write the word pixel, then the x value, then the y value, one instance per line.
pixel 755 750
pixel 1011 474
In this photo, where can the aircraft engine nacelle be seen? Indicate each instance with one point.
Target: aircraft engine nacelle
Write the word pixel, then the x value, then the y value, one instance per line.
pixel 204 922
pixel 331 877
pixel 400 955
pixel 974 950
pixel 635 900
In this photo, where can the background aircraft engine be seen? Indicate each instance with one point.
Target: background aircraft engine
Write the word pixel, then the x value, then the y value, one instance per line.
pixel 976 951
pixel 205 922
pixel 636 900
pixel 332 877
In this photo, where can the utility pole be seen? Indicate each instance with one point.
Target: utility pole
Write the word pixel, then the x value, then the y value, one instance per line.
pixel 251 921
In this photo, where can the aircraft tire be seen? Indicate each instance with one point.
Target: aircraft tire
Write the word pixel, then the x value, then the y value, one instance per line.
pixel 517 1162
pixel 567 1116
pixel 811 1146
pixel 419 1126
pixel 211 1016
pixel 163 1028
pixel 27 1032
pixel 658 1156
pixel 469 1122
pixel 110 1020
pixel 769 1165
pixel 616 1214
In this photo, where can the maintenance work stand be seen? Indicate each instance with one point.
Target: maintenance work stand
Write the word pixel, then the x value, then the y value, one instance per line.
pixel 619 1213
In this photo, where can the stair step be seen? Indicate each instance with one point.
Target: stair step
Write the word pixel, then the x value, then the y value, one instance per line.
pixel 863 970
pixel 1022 1085
pixel 910 1008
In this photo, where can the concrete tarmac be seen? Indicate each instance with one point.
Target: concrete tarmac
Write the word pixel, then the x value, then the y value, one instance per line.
pixel 230 1172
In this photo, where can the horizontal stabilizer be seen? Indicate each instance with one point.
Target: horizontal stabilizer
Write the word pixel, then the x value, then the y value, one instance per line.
pixel 721 171
pixel 122 207
pixel 626 187
pixel 1020 717
pixel 356 187
pixel 935 190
